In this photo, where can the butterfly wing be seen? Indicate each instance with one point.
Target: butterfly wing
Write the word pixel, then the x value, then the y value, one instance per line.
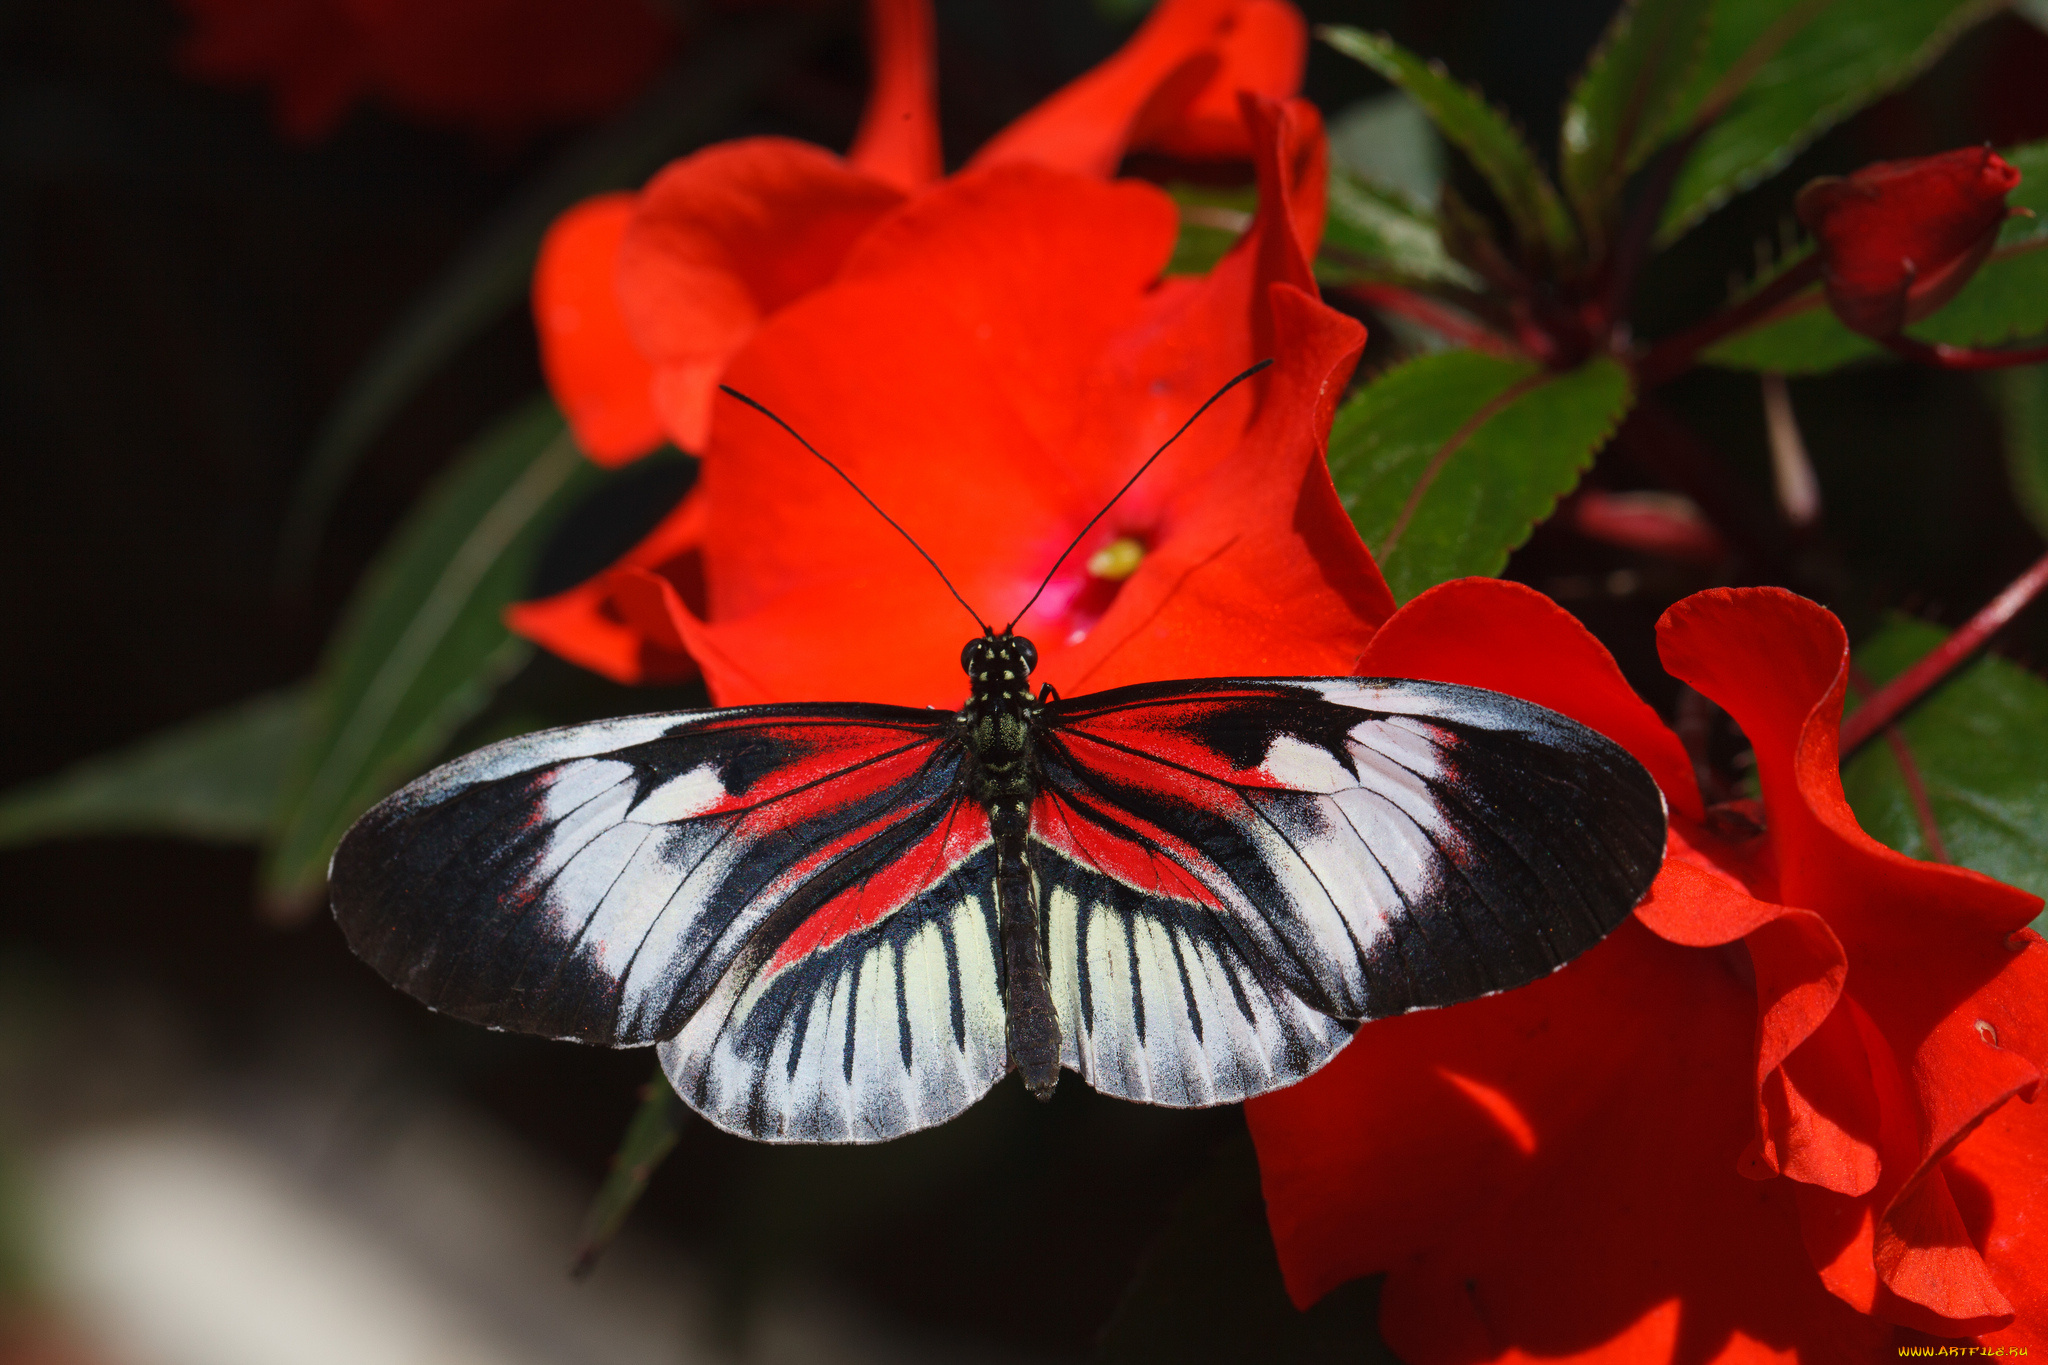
pixel 798 897
pixel 1231 871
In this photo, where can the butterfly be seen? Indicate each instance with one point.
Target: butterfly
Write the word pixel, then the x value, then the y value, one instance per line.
pixel 844 922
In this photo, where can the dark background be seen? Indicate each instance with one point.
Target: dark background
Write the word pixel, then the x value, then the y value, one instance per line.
pixel 183 294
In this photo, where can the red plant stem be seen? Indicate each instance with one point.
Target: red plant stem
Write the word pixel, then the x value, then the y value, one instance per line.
pixel 1909 774
pixel 1674 355
pixel 1632 247
pixel 1916 791
pixel 1438 317
pixel 1902 691
pixel 1962 357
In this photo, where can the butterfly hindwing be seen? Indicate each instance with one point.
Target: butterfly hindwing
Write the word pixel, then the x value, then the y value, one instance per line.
pixel 867 1006
pixel 1229 869
pixel 803 886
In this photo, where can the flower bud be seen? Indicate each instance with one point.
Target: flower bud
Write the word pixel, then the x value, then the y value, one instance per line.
pixel 1898 238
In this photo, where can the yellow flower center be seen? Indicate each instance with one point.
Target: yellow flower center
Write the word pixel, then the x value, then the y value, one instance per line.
pixel 1117 560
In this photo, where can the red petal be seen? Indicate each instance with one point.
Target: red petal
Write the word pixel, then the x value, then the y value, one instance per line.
pixel 1031 406
pixel 594 369
pixel 1293 169
pixel 503 67
pixel 619 624
pixel 965 397
pixel 306 51
pixel 1818 1114
pixel 1923 1249
pixel 1485 632
pixel 1262 50
pixel 1265 523
pixel 1817 1128
pixel 1263 527
pixel 1173 85
pixel 723 239
pixel 898 140
pixel 1998 1179
pixel 1623 1235
pixel 499 67
pixel 1696 904
pixel 1929 946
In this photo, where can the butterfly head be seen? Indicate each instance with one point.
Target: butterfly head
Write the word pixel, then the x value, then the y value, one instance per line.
pixel 999 663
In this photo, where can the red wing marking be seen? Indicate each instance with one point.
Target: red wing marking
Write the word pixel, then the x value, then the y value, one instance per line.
pixel 1142 855
pixel 919 867
pixel 813 788
pixel 1157 738
pixel 836 767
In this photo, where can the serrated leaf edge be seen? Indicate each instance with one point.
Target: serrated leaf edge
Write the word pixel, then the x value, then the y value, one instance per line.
pixel 1546 221
pixel 1929 52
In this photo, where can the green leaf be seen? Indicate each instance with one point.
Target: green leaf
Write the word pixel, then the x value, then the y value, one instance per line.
pixel 1447 462
pixel 218 777
pixel 1977 741
pixel 1389 141
pixel 1210 1289
pixel 1788 71
pixel 1211 221
pixel 421 646
pixel 2004 301
pixel 1805 338
pixel 2023 398
pixel 1483 133
pixel 650 1137
pixel 2007 299
pixel 490 274
pixel 1620 111
pixel 1375 233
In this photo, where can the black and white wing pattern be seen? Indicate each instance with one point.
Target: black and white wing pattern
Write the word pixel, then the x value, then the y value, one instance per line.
pixel 796 901
pixel 1231 872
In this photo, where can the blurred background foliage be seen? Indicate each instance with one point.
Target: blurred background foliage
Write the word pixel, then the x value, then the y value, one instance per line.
pixel 276 460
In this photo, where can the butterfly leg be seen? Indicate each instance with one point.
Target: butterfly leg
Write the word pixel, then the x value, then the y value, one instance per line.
pixel 1033 1025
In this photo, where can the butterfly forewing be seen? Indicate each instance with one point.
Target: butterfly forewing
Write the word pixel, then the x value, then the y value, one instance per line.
pixel 598 882
pixel 1229 869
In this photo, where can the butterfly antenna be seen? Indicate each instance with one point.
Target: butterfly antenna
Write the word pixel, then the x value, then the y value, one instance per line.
pixel 1128 482
pixel 727 388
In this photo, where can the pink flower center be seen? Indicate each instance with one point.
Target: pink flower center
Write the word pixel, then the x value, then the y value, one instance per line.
pixel 1075 601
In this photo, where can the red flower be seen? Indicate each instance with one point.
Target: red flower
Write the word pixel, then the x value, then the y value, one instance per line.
pixel 1678 1147
pixel 646 301
pixel 496 67
pixel 642 300
pixel 1897 239
pixel 993 416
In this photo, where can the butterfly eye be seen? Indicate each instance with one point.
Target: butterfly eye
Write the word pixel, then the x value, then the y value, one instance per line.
pixel 967 656
pixel 1029 652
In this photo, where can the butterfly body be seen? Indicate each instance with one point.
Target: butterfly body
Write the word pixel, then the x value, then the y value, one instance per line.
pixel 1000 723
